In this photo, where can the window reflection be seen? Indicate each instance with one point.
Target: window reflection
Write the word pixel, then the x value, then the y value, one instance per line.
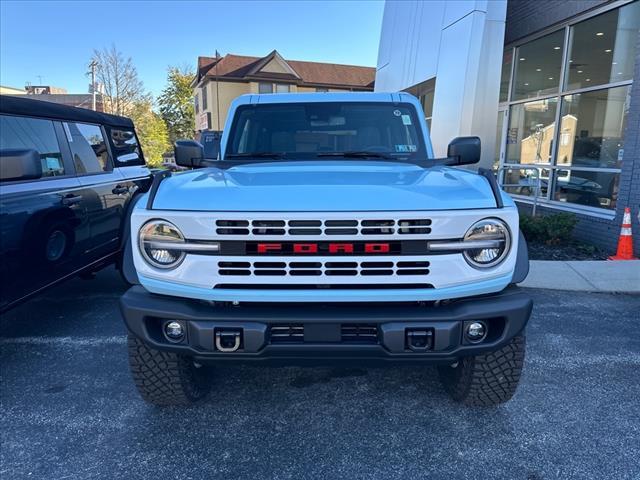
pixel 602 49
pixel 537 70
pixel 527 181
pixel 592 189
pixel 531 131
pixel 592 128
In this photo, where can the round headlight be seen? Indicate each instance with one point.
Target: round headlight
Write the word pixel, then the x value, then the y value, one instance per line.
pixel 155 241
pixel 489 231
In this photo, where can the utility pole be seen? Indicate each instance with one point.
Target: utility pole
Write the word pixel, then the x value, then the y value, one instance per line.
pixel 93 66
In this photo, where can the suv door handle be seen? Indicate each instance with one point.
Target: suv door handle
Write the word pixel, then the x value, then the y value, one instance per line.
pixel 71 199
pixel 120 189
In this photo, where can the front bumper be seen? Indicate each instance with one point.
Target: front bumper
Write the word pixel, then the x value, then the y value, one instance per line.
pixel 326 328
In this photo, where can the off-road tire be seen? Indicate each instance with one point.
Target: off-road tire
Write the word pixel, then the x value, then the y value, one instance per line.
pixel 164 378
pixel 487 379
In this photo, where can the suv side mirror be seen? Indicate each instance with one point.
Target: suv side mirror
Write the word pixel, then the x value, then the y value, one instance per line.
pixel 19 164
pixel 464 151
pixel 188 153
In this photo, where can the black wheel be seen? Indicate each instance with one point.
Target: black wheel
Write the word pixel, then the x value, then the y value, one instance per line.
pixel 164 378
pixel 487 379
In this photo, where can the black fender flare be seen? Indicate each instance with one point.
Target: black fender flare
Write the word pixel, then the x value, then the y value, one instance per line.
pixel 125 262
pixel 522 260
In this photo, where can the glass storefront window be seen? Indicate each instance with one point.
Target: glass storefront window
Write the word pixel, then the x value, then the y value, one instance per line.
pixel 531 131
pixel 505 75
pixel 602 49
pixel 537 70
pixel 588 188
pixel 592 128
pixel 525 181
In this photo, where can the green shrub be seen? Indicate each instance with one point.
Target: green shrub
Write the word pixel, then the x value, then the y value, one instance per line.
pixel 549 229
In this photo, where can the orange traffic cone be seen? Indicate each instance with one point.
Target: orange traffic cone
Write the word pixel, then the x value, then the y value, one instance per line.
pixel 625 242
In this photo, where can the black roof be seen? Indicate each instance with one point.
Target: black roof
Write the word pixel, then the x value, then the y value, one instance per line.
pixel 23 105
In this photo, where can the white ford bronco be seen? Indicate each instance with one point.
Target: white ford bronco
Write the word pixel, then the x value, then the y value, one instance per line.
pixel 326 233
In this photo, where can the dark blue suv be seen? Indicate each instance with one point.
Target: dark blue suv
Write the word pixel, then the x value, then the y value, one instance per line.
pixel 67 180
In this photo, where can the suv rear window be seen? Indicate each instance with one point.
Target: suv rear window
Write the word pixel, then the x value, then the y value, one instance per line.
pixel 33 134
pixel 316 129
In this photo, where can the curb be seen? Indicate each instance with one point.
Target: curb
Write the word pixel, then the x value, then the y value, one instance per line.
pixel 585 276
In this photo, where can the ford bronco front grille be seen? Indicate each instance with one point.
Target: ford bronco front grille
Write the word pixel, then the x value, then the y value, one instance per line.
pixel 318 269
pixel 419 226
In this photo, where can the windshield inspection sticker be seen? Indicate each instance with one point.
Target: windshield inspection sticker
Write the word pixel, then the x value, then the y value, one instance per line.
pixel 406 119
pixel 406 148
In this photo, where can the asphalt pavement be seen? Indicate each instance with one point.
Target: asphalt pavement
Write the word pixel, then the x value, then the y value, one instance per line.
pixel 69 409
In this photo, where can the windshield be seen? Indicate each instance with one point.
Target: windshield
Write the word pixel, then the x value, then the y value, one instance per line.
pixel 326 130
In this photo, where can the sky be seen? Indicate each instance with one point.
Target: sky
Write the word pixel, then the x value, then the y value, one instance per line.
pixel 55 39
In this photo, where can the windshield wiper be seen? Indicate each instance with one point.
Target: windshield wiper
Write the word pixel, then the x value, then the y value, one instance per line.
pixel 255 155
pixel 354 154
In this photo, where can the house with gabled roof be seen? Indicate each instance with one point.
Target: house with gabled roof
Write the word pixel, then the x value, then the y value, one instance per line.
pixel 220 79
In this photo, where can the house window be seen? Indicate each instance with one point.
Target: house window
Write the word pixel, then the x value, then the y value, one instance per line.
pixel 265 87
pixel 322 90
pixel 204 97
pixel 565 136
pixel 282 88
pixel 196 101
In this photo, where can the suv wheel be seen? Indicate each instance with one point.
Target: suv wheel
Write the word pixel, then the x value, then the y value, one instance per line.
pixel 487 379
pixel 164 378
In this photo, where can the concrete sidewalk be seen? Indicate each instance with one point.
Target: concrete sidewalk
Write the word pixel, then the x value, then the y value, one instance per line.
pixel 585 276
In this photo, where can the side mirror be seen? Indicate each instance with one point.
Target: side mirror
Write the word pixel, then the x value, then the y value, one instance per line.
pixel 464 151
pixel 188 153
pixel 19 164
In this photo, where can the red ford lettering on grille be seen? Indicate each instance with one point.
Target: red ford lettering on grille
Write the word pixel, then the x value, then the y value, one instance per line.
pixel 305 248
pixel 376 248
pixel 341 248
pixel 269 247
pixel 324 248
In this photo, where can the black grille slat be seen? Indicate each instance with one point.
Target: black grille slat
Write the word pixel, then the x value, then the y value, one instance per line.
pixel 359 333
pixel 305 223
pixel 269 265
pixel 287 333
pixel 305 231
pixel 377 223
pixel 341 223
pixel 305 273
pixel 341 231
pixel 367 273
pixel 234 272
pixel 412 264
pixel 270 273
pixel 413 272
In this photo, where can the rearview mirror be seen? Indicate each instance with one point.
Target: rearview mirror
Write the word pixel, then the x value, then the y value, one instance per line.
pixel 463 151
pixel 188 153
pixel 19 164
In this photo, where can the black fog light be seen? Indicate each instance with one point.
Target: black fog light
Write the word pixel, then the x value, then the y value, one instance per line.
pixel 174 331
pixel 476 331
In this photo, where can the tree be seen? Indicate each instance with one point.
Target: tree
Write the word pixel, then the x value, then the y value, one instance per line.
pixel 152 132
pixel 176 103
pixel 123 89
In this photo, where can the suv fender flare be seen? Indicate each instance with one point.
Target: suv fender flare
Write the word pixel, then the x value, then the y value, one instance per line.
pixel 125 262
pixel 522 260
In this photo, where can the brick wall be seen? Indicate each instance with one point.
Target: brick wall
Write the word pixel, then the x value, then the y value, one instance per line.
pixel 525 17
